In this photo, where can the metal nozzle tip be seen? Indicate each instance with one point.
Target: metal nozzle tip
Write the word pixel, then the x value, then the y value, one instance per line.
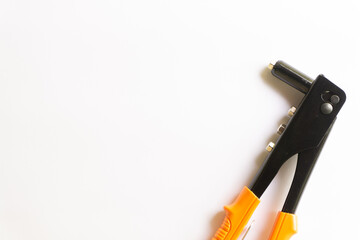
pixel 270 66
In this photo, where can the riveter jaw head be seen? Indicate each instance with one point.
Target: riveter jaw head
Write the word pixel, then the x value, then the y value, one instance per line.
pixel 314 115
pixel 307 127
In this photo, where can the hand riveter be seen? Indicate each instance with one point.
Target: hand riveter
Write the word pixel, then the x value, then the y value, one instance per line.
pixel 305 135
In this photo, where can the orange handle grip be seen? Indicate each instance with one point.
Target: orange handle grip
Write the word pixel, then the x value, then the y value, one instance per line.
pixel 237 215
pixel 285 226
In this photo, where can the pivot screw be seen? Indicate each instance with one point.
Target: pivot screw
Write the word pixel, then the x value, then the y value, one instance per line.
pixel 326 108
pixel 335 99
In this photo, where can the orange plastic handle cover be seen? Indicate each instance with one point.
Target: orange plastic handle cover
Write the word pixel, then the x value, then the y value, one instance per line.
pixel 237 215
pixel 285 226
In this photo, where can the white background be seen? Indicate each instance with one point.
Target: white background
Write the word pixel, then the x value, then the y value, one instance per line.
pixel 141 119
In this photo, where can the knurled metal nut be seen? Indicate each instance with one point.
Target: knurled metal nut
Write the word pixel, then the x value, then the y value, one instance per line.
pixel 292 111
pixel 270 146
pixel 281 129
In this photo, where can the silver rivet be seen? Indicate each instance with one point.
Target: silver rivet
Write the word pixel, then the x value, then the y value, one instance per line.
pixel 326 108
pixel 270 146
pixel 335 99
pixel 281 129
pixel 292 111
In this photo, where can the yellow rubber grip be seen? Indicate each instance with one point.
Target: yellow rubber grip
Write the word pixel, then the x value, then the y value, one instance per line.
pixel 285 226
pixel 237 215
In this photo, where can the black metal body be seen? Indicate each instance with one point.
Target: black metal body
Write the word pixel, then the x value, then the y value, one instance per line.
pixel 304 135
